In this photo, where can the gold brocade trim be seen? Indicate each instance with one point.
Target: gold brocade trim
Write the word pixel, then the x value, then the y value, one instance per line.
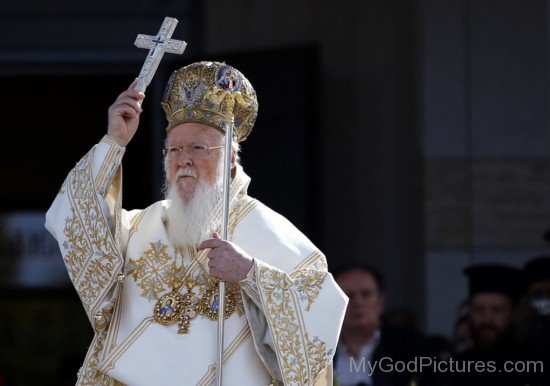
pixel 92 259
pixel 88 374
pixel 315 260
pixel 252 292
pixel 77 245
pixel 248 204
pixel 301 358
pixel 135 222
pixel 308 283
pixel 108 167
pixel 89 251
pixel 110 341
pixel 152 270
pixel 318 356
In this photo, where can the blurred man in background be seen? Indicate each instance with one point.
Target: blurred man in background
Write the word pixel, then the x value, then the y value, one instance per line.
pixel 494 292
pixel 367 343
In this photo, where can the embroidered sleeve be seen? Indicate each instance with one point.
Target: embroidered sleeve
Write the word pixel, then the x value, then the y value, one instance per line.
pixel 85 218
pixel 82 220
pixel 107 156
pixel 303 331
pixel 249 286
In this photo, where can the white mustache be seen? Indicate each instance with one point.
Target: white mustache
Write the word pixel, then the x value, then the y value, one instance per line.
pixel 187 171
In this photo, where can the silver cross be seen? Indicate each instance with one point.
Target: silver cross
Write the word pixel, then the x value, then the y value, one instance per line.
pixel 157 46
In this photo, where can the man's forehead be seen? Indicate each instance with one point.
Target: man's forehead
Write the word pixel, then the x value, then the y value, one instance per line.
pixel 356 279
pixel 193 131
pixel 490 299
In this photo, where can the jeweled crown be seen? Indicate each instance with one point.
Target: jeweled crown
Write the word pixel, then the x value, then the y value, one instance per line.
pixel 211 93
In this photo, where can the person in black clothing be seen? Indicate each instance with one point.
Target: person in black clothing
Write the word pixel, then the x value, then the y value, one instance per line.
pixel 494 294
pixel 534 321
pixel 369 349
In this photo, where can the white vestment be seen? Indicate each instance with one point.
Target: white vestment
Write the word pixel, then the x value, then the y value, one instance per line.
pixel 289 311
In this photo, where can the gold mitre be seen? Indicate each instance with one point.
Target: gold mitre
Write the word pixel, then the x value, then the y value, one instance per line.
pixel 210 93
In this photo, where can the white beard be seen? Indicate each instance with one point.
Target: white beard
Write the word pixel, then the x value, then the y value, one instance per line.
pixel 192 221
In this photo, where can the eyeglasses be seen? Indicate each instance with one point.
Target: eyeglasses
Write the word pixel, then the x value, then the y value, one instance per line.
pixel 194 151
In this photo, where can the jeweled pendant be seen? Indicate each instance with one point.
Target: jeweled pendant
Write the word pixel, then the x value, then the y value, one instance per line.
pixel 210 302
pixel 169 308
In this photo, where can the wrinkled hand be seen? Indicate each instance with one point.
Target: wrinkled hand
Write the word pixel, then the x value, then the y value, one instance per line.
pixel 124 115
pixel 227 261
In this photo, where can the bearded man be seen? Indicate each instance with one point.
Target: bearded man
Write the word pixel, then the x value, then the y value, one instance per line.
pixel 494 292
pixel 283 309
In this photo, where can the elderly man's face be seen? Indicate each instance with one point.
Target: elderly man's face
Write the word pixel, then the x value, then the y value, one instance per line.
pixel 366 302
pixel 491 317
pixel 187 171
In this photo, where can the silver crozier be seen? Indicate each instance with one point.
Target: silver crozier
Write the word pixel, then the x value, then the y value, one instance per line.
pixel 229 126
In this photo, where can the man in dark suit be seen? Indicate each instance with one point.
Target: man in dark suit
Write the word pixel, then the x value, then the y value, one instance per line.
pixel 371 352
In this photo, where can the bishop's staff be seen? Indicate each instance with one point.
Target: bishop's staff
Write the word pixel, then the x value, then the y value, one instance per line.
pixel 230 93
pixel 158 45
pixel 229 127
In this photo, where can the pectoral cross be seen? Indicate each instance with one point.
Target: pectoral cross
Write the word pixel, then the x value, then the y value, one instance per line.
pixel 157 46
pixel 190 312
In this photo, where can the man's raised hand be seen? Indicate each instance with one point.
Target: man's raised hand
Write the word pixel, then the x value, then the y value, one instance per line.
pixel 124 115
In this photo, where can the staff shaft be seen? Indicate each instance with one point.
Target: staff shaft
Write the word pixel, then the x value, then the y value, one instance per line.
pixel 224 229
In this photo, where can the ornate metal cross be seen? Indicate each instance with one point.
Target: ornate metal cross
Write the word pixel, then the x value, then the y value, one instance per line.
pixel 157 46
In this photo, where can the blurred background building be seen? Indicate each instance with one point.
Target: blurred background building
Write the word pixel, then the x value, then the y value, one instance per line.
pixel 411 134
